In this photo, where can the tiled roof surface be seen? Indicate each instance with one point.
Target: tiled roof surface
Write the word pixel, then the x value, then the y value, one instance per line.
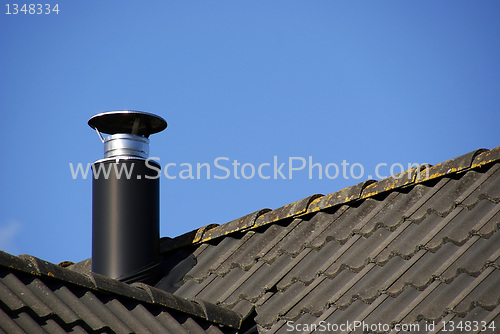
pixel 40 297
pixel 409 250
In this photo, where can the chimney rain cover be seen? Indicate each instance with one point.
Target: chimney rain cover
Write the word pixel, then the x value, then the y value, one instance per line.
pixel 129 131
pixel 128 121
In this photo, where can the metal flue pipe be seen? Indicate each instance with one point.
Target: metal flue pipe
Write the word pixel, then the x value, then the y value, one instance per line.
pixel 126 197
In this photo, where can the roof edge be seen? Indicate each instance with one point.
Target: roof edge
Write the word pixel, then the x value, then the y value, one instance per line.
pixel 138 291
pixel 418 174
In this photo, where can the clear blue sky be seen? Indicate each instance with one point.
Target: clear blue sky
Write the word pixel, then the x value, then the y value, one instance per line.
pixel 367 82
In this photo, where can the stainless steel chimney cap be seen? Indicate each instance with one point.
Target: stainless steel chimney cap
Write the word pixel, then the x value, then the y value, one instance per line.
pixel 127 121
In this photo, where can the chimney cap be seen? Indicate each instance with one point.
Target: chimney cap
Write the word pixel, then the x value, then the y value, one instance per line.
pixel 127 121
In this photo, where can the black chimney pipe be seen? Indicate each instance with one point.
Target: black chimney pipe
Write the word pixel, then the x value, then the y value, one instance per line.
pixel 126 198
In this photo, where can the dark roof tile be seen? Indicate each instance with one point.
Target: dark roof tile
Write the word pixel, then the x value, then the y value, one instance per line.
pixel 479 313
pixel 88 317
pixel 481 253
pixel 213 256
pixel 276 305
pixel 28 324
pixel 434 305
pixel 293 242
pixel 218 286
pixel 484 294
pixel 484 187
pixel 319 225
pixel 351 221
pixel 8 325
pixel 173 325
pixel 10 298
pixel 372 284
pixel 96 305
pixel 29 299
pixel 219 315
pixel 388 309
pixel 393 214
pixel 50 299
pixel 129 321
pixel 489 224
pixel 463 225
pixel 312 259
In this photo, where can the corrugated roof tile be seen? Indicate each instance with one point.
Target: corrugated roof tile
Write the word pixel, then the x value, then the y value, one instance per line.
pixel 484 294
pixel 125 314
pixel 8 325
pixel 22 292
pixel 387 312
pixel 257 284
pixel 434 306
pixel 306 267
pixel 79 308
pixel 43 292
pixel 477 258
pixel 372 284
pixel 28 324
pixel 477 315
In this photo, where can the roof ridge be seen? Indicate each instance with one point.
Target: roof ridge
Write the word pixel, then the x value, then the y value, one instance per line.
pixel 366 189
pixel 138 291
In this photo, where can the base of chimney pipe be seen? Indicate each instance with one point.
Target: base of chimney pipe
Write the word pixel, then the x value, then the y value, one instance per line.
pixel 125 219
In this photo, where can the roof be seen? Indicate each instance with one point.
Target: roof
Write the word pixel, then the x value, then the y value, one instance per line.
pixel 414 249
pixel 38 297
pixel 417 248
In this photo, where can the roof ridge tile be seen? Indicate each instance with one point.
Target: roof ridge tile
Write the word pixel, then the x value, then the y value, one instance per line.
pixel 38 267
pixel 239 224
pixel 366 189
pixel 396 181
pixel 192 237
pixel 451 166
pixel 486 157
pixel 287 211
pixel 343 196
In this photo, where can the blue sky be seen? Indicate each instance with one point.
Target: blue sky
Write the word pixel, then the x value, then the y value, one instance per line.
pixel 365 82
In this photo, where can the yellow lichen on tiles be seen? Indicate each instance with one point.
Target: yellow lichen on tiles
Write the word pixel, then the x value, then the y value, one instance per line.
pixel 199 234
pixel 313 206
pixel 430 177
pixel 369 195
